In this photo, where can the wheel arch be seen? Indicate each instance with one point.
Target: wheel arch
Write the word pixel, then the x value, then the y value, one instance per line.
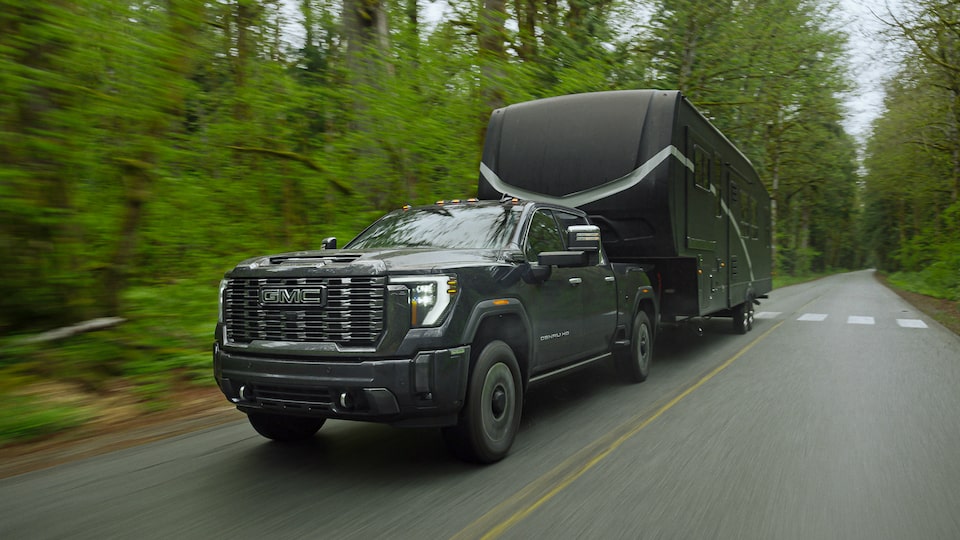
pixel 492 320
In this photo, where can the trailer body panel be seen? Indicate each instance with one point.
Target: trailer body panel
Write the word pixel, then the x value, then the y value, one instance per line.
pixel 667 188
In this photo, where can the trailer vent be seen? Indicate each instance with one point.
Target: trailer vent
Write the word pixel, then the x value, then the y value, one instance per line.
pixel 349 312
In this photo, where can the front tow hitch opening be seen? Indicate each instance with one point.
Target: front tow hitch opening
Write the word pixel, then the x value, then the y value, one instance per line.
pixel 244 393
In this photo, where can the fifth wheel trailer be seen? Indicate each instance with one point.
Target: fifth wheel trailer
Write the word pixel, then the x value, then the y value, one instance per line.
pixel 667 189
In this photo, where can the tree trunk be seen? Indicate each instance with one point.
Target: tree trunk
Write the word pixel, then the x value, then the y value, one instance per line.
pixel 184 20
pixel 491 37
pixel 527 14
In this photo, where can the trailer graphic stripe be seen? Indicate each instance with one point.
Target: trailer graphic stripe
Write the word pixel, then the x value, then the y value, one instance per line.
pixel 588 196
pixel 613 187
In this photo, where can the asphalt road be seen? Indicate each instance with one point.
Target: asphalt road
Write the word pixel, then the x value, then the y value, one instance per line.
pixel 837 417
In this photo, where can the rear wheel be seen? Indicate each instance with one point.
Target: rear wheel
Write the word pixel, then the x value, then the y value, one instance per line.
pixel 743 316
pixel 635 365
pixel 491 415
pixel 284 428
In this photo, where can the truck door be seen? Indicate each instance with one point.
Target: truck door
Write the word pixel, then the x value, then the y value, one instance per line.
pixel 598 292
pixel 556 306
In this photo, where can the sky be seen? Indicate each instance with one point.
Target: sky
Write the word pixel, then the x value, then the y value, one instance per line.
pixel 870 61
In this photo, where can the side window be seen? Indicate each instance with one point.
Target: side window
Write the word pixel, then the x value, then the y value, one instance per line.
pixel 543 235
pixel 567 220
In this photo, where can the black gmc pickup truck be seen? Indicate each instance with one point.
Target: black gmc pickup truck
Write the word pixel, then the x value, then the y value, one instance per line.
pixel 438 316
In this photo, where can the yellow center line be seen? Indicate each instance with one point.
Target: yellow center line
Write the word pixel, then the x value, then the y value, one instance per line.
pixel 502 517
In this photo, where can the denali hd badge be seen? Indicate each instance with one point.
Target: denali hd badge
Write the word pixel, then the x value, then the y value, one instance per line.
pixel 286 296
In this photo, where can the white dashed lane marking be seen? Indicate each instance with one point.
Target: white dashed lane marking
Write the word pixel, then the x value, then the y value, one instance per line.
pixel 852 319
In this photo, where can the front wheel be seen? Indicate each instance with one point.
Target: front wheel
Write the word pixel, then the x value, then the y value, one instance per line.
pixel 284 428
pixel 635 365
pixel 490 417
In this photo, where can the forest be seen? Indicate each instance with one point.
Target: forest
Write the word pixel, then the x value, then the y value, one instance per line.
pixel 146 146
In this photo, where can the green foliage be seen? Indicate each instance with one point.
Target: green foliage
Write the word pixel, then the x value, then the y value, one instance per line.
pixel 29 417
pixel 913 156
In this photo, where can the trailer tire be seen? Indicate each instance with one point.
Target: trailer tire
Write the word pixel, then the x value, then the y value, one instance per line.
pixel 635 364
pixel 743 316
pixel 285 428
pixel 490 416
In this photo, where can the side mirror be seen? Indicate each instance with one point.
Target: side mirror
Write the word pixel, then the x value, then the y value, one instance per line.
pixel 585 238
pixel 329 242
pixel 563 259
pixel 540 272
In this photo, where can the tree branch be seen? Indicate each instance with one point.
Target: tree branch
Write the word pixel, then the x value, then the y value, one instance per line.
pixel 293 156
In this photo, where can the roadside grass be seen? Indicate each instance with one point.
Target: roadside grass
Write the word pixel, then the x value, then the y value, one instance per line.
pixel 137 366
pixel 942 306
pixel 28 417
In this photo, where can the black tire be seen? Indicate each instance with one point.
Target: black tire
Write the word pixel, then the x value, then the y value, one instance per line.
pixel 743 317
pixel 285 428
pixel 490 417
pixel 635 363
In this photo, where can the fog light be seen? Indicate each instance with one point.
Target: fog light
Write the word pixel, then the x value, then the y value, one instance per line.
pixel 346 401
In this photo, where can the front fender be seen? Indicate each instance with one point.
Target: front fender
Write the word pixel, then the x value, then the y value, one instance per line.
pixel 493 308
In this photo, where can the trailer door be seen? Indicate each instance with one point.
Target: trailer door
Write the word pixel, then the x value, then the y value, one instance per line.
pixel 738 234
pixel 706 233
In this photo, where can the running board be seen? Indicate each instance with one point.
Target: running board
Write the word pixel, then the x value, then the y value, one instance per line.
pixel 569 368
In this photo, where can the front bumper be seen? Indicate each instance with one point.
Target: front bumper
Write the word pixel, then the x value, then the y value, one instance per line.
pixel 426 390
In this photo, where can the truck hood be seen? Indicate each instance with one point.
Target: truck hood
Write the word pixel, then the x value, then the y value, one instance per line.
pixel 362 262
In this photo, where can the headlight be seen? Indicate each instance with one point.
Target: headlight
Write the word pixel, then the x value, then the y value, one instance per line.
pixel 223 287
pixel 429 297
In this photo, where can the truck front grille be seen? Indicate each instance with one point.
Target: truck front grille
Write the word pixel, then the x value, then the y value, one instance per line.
pixel 351 314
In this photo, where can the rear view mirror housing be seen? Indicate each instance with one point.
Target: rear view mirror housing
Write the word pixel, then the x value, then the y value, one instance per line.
pixel 583 238
pixel 564 259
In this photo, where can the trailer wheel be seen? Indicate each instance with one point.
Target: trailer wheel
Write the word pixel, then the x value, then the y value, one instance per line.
pixel 490 417
pixel 284 428
pixel 743 316
pixel 635 365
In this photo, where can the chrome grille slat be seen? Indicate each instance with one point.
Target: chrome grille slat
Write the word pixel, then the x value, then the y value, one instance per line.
pixel 352 316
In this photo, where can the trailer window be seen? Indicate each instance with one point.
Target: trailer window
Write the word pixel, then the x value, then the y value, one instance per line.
pixel 702 165
pixel 719 200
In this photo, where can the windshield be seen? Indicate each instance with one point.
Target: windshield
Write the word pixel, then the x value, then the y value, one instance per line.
pixel 447 227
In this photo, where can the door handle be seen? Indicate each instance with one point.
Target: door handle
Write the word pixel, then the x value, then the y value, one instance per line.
pixel 575 281
pixel 610 279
